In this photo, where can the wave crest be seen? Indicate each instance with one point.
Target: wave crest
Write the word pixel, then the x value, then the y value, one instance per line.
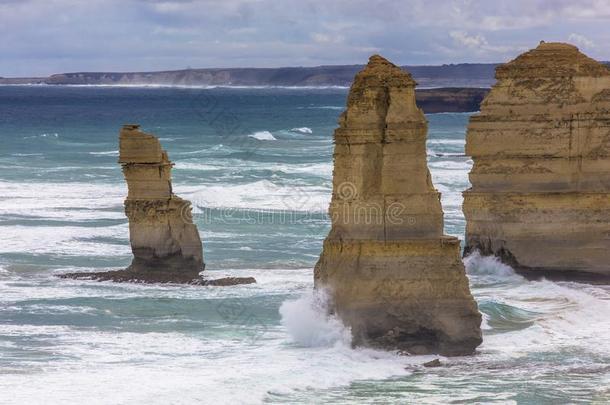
pixel 309 323
pixel 478 265
pixel 263 136
pixel 302 130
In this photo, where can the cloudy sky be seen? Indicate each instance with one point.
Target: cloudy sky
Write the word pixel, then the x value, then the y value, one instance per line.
pixel 39 37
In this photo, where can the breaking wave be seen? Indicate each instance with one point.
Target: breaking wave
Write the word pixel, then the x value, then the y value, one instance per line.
pixel 263 136
pixel 106 153
pixel 302 130
pixel 307 321
pixel 45 135
pixel 258 195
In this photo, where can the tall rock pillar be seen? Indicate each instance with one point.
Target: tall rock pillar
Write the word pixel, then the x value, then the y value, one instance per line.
pixel 394 278
pixel 540 196
pixel 161 232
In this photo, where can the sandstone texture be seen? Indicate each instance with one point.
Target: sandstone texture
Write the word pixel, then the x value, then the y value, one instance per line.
pixel 394 278
pixel 540 196
pixel 164 240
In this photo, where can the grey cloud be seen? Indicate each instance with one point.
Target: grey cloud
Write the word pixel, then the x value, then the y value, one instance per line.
pixel 46 36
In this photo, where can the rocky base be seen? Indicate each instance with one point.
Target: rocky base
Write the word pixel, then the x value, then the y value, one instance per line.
pixel 157 277
pixel 537 273
pixel 556 235
pixel 408 295
pixel 416 339
pixel 433 363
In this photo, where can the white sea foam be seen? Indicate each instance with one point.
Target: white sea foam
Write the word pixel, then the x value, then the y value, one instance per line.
pixel 302 130
pixel 490 266
pixel 65 240
pixel 45 135
pixel 69 201
pixel 451 165
pixel 199 151
pixel 308 322
pixel 40 285
pixel 262 194
pixel 445 154
pixel 59 169
pixel 98 365
pixel 446 141
pixel 182 165
pixel 109 153
pixel 563 314
pixel 451 181
pixel 123 367
pixel 315 169
pixel 263 136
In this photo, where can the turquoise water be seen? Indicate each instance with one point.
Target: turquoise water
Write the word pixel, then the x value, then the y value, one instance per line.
pixel 257 165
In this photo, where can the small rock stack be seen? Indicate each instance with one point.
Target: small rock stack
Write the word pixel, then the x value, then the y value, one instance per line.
pixel 164 240
pixel 540 196
pixel 162 234
pixel 394 278
pixel 165 243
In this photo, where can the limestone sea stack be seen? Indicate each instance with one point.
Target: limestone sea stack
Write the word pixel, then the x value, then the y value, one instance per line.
pixel 393 277
pixel 540 195
pixel 164 240
pixel 161 231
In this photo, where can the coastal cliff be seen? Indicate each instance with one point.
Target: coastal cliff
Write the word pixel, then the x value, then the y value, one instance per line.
pixel 164 240
pixel 393 277
pixel 540 196
pixel 455 75
pixel 453 88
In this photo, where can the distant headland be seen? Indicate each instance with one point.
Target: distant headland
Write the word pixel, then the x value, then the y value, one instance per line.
pixel 453 75
pixel 450 88
pixel 442 88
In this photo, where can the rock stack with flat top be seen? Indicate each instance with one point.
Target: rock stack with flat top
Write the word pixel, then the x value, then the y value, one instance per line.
pixel 393 277
pixel 162 234
pixel 164 240
pixel 540 196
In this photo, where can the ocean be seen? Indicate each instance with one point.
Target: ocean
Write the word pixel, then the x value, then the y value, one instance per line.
pixel 257 165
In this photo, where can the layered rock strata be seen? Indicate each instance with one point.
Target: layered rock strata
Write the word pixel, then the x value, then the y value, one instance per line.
pixel 540 196
pixel 394 278
pixel 164 240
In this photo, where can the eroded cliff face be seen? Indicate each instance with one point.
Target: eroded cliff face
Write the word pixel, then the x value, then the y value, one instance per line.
pixel 392 274
pixel 540 196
